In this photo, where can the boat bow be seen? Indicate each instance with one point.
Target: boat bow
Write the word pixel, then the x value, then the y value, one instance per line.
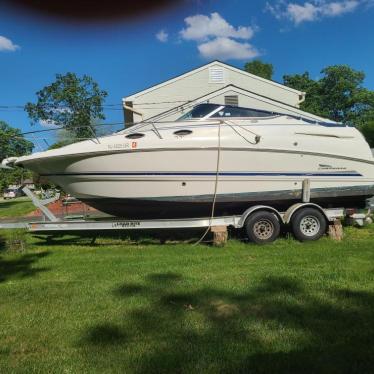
pixel 8 163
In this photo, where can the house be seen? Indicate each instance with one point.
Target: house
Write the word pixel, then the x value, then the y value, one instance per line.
pixel 215 82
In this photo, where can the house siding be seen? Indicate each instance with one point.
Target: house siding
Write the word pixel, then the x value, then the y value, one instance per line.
pixel 197 83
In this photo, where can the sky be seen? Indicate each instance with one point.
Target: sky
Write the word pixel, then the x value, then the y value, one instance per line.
pixel 127 55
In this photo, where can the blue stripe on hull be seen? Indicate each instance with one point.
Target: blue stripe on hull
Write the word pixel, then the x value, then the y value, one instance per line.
pixel 224 174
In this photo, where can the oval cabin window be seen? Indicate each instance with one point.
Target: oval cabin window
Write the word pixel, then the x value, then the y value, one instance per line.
pixel 136 135
pixel 182 132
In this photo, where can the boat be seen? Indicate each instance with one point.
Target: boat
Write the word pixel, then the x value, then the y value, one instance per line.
pixel 216 159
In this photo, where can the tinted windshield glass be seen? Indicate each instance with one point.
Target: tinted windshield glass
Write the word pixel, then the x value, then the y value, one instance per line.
pixel 232 111
pixel 199 111
pixel 202 110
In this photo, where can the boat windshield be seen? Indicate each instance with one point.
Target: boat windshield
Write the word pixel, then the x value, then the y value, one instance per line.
pixel 200 111
pixel 223 111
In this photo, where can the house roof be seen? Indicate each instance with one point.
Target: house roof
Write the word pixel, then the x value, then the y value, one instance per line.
pixel 215 62
pixel 278 104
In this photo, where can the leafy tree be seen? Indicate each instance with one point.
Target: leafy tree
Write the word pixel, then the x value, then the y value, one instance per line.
pixel 303 82
pixel 70 102
pixel 344 97
pixel 367 130
pixel 338 95
pixel 259 68
pixel 12 143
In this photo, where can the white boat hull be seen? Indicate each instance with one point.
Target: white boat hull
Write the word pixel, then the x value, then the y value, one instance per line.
pixel 168 170
pixel 157 183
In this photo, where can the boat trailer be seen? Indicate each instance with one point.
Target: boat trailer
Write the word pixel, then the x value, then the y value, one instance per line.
pixel 217 225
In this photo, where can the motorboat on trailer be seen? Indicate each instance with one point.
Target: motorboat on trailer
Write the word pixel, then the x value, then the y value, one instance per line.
pixel 236 157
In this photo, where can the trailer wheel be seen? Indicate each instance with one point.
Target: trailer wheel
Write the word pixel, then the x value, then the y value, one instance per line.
pixel 262 227
pixel 308 224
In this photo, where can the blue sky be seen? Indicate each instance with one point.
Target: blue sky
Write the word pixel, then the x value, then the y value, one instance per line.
pixel 127 56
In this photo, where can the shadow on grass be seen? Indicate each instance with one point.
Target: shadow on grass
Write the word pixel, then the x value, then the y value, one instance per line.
pixel 9 204
pixel 2 243
pixel 21 266
pixel 105 334
pixel 13 208
pixel 276 326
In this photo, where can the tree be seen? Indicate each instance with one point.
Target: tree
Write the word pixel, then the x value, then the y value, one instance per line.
pixel 12 144
pixel 338 95
pixel 367 130
pixel 70 102
pixel 259 68
pixel 303 82
pixel 344 96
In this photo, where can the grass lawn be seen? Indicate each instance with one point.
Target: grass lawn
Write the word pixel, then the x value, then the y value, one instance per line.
pixel 70 307
pixel 15 207
pixel 119 307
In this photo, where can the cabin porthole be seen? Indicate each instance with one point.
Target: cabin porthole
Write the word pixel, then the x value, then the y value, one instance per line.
pixel 136 135
pixel 182 132
pixel 183 184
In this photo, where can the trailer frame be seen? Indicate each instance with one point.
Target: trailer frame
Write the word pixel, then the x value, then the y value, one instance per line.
pixel 51 223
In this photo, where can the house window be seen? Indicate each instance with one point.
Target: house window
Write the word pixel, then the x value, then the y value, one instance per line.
pixel 216 75
pixel 232 100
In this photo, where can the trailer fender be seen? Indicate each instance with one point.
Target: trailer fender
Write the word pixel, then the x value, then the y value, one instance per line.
pixel 294 208
pixel 256 208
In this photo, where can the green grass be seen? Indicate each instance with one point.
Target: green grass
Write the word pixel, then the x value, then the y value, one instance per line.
pixel 16 207
pixel 68 307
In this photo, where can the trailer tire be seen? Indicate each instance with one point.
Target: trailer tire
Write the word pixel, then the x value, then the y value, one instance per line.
pixel 308 224
pixel 262 227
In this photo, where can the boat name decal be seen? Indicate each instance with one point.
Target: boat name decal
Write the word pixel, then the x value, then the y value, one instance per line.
pixel 119 146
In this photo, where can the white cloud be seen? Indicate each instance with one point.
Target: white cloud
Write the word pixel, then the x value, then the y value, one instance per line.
pixel 47 123
pixel 226 48
pixel 337 8
pixel 162 36
pixel 275 9
pixel 7 45
pixel 200 27
pixel 218 39
pixel 311 10
pixel 301 13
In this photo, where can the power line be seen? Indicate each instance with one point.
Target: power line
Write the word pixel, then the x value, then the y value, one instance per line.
pixel 22 107
pixel 18 106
